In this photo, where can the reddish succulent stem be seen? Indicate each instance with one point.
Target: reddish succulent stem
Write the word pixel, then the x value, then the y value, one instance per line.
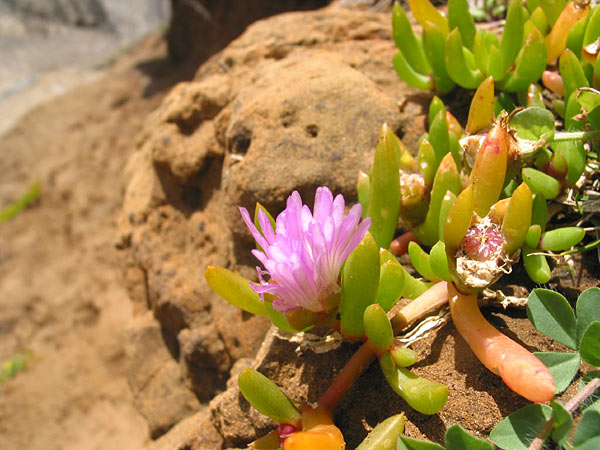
pixel 399 246
pixel 520 369
pixel 431 299
pixel 349 374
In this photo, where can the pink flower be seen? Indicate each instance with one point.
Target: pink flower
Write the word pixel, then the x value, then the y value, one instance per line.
pixel 305 253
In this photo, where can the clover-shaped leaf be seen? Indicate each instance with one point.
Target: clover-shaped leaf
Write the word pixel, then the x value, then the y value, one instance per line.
pixel 551 314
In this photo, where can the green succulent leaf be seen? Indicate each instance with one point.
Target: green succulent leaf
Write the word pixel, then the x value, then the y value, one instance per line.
pixel 541 183
pixel 575 155
pixel 571 72
pixel 385 435
pixel 438 261
pixel 533 236
pixel 592 29
pixel 552 8
pixel 267 397
pixel 459 17
pixel 539 212
pixel 588 310
pixel 589 348
pixel 536 265
pixel 235 289
pixel 420 261
pixel 434 41
pixel 391 284
pixel 456 64
pixel 562 366
pixel 407 42
pixel 422 395
pixel 533 123
pixel 363 187
pixel 438 135
pixel 360 280
pixel 516 431
pixel 403 356
pixel 457 438
pixel 378 328
pixel 552 315
pixel 512 36
pixel 561 238
pixel 575 37
pixel 529 65
pixel 384 194
pixel 406 72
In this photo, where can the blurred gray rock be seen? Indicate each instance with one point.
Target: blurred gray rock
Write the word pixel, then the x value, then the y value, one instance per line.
pixel 85 13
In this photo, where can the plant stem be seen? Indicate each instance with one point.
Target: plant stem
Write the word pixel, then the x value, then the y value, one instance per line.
pixel 563 136
pixel 431 299
pixel 570 406
pixel 399 246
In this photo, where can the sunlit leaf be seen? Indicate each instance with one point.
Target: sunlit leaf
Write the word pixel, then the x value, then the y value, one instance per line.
pixel 562 366
pixel 551 314
pixel 516 431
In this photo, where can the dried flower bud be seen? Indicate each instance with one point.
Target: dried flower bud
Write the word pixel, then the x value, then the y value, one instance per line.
pixel 481 258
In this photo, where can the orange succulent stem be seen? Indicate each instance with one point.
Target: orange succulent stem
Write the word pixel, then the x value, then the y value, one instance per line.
pixel 520 370
pixel 430 300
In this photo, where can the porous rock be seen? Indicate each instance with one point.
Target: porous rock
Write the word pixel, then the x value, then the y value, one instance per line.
pixel 159 391
pixel 295 103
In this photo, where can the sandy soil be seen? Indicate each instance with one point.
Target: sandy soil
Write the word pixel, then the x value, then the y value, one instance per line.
pixel 61 289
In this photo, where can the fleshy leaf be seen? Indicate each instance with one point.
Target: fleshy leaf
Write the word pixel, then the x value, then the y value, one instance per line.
pixel 541 183
pixel 406 72
pixel 425 12
pixel 561 238
pixel 563 367
pixel 391 284
pixel 363 186
pixel 458 221
pixel 512 36
pixel 385 435
pixel 457 65
pixel 422 395
pixel 536 265
pixel 384 196
pixel 267 397
pixel 438 261
pixel 459 17
pixel 556 40
pixel 420 261
pixel 378 328
pixel 551 314
pixel 360 279
pixel 517 218
pixel 481 112
pixel 407 43
pixel 434 42
pixel 235 289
